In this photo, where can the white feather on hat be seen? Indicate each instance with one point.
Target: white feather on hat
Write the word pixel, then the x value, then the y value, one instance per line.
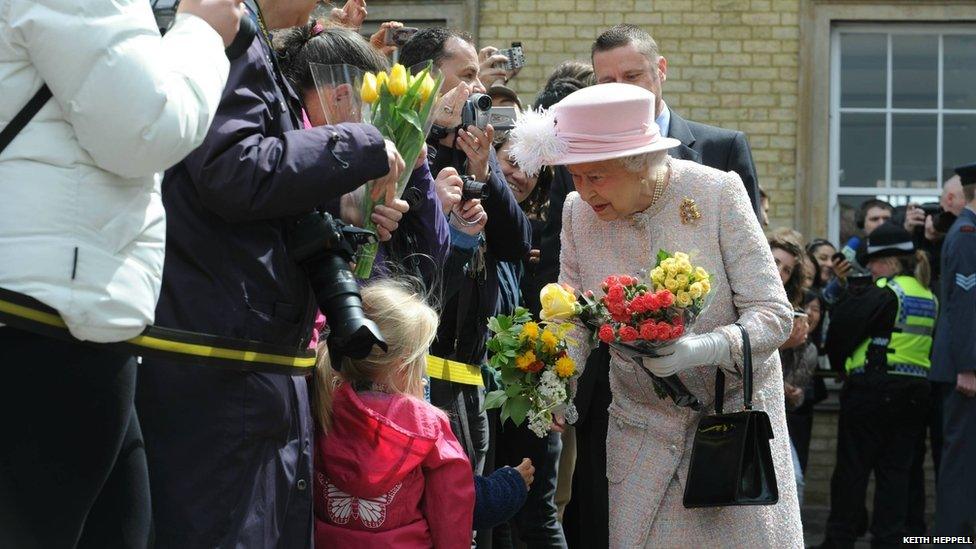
pixel 534 141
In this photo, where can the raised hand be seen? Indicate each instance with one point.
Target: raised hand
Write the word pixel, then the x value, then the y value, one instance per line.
pixel 223 15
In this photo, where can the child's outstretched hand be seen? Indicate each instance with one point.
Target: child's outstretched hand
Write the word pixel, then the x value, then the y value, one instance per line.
pixel 527 471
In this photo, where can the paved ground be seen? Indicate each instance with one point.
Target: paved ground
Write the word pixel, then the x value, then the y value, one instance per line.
pixel 814 521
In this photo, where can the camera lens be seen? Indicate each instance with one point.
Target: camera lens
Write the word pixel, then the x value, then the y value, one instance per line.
pixel 481 101
pixel 324 248
pixel 337 294
pixel 474 189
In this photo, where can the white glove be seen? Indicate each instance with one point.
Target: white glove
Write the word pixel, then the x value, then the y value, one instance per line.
pixel 690 352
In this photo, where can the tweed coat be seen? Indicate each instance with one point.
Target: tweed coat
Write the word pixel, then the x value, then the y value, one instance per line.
pixel 649 440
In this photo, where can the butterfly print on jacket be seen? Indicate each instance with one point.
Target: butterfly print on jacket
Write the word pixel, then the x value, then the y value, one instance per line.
pixel 342 506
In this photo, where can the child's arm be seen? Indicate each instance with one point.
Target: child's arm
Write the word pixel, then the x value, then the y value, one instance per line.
pixel 448 503
pixel 498 497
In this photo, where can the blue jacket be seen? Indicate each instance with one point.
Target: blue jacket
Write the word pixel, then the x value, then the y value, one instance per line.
pixel 498 497
pixel 230 452
pixel 955 347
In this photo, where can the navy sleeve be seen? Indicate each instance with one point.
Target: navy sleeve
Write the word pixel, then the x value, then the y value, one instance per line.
pixel 740 162
pixel 959 301
pixel 498 497
pixel 508 233
pixel 425 220
pixel 245 171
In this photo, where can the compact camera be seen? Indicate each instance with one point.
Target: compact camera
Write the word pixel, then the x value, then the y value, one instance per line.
pixel 515 55
pixel 399 37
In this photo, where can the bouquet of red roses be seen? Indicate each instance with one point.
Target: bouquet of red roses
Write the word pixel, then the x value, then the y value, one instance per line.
pixel 642 317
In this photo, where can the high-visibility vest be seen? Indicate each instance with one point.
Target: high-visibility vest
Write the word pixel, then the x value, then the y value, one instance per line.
pixel 910 345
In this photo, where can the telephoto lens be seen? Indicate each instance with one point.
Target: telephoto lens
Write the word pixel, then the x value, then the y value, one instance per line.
pixel 481 101
pixel 473 189
pixel 325 248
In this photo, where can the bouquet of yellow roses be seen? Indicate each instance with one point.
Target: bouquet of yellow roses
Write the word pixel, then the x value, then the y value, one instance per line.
pixel 398 104
pixel 535 370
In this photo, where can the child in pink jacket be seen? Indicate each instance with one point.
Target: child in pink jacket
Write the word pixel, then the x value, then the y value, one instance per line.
pixel 388 470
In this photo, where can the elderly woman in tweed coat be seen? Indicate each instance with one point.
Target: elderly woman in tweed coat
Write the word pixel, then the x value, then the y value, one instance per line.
pixel 632 200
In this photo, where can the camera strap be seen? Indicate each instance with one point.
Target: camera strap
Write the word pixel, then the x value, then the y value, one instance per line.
pixel 25 115
pixel 26 313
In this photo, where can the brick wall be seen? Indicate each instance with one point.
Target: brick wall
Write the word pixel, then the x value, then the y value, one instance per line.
pixel 732 63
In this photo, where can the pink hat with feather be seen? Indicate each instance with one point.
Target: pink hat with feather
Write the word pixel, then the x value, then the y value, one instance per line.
pixel 597 123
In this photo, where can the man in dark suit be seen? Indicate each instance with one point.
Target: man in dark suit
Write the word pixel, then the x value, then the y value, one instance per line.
pixel 627 54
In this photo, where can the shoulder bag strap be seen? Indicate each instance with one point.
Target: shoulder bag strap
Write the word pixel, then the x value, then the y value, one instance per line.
pixel 746 376
pixel 24 116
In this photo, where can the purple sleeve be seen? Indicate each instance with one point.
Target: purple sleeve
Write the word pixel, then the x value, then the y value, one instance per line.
pixel 247 168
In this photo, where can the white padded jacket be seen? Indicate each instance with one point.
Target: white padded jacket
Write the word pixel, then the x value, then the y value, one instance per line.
pixel 82 226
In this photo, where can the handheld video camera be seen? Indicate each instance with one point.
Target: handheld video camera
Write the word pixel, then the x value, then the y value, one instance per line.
pixel 325 247
pixel 478 111
pixel 165 13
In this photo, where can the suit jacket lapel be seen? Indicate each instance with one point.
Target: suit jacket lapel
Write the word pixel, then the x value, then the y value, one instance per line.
pixel 679 130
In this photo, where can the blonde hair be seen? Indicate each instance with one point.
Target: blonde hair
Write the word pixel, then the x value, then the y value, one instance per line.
pixel 918 266
pixel 408 325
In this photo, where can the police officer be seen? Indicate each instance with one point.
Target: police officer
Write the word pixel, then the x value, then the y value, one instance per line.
pixel 882 333
pixel 954 368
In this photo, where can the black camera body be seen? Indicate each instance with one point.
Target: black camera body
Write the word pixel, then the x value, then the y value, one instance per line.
pixel 472 189
pixel 325 247
pixel 931 209
pixel 165 13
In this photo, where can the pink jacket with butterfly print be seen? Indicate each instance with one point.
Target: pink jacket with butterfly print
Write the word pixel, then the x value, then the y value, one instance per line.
pixel 390 474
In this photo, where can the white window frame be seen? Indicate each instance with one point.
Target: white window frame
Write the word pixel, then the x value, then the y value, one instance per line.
pixel 902 193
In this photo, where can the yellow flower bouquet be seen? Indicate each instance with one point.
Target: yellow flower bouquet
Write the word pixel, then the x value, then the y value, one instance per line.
pixel 397 103
pixel 535 369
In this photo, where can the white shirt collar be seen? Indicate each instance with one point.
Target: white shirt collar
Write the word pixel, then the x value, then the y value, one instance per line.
pixel 664 121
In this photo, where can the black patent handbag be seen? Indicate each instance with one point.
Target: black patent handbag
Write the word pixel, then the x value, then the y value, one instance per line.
pixel 731 460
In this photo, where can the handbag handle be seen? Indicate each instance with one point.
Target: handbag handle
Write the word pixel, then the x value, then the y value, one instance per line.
pixel 746 376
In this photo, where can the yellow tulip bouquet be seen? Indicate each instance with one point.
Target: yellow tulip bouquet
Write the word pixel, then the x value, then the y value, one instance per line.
pixel 397 103
pixel 534 367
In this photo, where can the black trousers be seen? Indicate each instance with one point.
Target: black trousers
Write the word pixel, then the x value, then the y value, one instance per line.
pixel 463 404
pixel 72 462
pixel 955 507
pixel 537 524
pixel 881 419
pixel 915 524
pixel 586 521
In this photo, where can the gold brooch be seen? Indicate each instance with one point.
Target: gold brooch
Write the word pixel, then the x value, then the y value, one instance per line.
pixel 689 211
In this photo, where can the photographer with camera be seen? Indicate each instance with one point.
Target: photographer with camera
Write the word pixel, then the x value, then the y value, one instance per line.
pixel 487 226
pixel 228 449
pixel 81 246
